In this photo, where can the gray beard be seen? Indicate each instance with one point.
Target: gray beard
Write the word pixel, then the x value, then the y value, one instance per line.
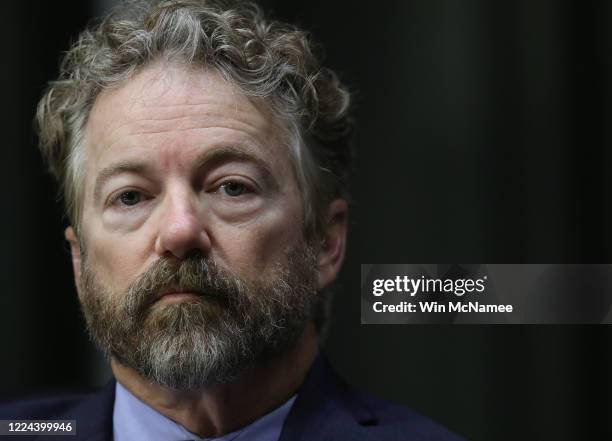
pixel 231 326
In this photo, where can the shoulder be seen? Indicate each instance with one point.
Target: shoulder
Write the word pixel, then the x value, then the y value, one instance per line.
pixel 395 422
pixel 91 410
pixel 41 406
pixel 328 408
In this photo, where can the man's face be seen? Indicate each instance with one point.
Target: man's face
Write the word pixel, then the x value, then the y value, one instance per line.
pixel 190 192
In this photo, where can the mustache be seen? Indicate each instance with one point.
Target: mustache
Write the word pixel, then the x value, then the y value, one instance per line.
pixel 196 274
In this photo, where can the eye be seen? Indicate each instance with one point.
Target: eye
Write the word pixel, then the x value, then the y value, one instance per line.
pixel 233 188
pixel 130 197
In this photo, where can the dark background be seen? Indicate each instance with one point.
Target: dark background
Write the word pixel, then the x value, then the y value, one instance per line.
pixel 483 136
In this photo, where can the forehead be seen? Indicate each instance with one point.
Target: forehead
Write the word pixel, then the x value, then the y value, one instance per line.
pixel 172 109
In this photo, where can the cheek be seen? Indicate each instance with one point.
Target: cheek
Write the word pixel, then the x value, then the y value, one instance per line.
pixel 116 261
pixel 253 248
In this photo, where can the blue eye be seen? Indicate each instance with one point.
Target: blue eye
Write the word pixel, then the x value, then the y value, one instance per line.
pixel 130 198
pixel 233 188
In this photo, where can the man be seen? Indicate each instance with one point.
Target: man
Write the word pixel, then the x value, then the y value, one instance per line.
pixel 202 154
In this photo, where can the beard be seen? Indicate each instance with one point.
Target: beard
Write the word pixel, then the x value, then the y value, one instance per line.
pixel 231 325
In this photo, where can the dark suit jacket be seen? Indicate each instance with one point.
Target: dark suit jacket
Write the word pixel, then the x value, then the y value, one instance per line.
pixel 326 409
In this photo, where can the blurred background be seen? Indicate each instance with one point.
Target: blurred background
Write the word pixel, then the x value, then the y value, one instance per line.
pixel 483 135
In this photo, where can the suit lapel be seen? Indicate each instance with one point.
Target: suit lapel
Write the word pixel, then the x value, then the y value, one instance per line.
pixel 325 409
pixel 93 415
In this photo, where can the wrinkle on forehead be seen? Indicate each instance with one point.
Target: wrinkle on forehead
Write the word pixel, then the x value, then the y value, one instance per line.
pixel 168 96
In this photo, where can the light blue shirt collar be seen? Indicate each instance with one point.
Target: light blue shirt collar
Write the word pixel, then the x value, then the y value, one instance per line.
pixel 133 420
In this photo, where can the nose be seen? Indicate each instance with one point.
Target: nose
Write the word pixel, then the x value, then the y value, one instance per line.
pixel 182 228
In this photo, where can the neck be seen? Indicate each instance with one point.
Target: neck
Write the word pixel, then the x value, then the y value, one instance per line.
pixel 220 409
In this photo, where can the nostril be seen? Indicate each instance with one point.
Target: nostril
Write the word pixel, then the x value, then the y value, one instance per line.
pixel 182 239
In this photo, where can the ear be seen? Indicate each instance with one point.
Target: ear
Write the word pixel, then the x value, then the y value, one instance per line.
pixel 75 251
pixel 331 254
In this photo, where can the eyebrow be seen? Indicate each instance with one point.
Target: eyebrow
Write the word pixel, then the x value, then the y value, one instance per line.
pixel 204 160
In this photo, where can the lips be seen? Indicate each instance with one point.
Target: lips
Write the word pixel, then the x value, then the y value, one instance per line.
pixel 174 295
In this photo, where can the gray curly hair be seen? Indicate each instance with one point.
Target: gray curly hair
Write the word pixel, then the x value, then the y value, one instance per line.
pixel 265 59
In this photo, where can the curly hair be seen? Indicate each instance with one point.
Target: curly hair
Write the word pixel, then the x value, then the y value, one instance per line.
pixel 266 59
